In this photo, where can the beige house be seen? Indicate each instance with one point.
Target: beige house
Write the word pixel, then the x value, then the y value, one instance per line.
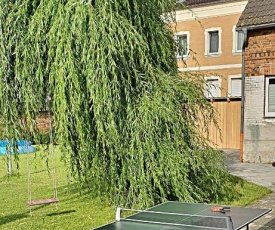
pixel 208 42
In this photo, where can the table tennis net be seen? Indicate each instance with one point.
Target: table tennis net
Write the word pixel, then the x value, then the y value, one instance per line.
pixel 177 219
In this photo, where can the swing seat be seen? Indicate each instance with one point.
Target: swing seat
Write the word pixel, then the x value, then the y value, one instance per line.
pixel 43 201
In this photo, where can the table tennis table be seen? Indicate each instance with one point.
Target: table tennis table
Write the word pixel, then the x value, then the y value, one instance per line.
pixel 186 216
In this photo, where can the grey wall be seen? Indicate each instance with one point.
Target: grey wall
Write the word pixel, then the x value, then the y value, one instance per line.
pixel 259 132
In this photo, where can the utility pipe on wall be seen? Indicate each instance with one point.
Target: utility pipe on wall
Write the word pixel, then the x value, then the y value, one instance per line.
pixel 244 30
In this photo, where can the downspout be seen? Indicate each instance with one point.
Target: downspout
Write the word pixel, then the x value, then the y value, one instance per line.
pixel 242 96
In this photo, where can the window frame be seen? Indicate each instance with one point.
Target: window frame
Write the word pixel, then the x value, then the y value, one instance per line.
pixel 187 34
pixel 207 41
pixel 267 113
pixel 230 77
pixel 218 78
pixel 235 41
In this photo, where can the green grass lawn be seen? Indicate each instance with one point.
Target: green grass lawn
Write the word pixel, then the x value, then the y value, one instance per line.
pixel 75 210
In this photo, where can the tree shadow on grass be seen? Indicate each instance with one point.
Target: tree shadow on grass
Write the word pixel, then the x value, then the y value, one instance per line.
pixel 13 217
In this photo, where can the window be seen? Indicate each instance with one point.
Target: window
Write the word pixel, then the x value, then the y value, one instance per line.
pixel 270 97
pixel 212 87
pixel 182 40
pixel 235 86
pixel 238 39
pixel 213 41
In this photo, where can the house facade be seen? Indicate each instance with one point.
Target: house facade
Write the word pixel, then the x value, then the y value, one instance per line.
pixel 208 42
pixel 258 23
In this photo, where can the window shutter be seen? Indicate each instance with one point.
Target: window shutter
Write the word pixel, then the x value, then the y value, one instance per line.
pixel 271 95
pixel 236 87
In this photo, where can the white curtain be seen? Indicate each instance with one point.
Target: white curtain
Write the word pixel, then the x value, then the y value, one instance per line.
pixel 271 95
pixel 236 87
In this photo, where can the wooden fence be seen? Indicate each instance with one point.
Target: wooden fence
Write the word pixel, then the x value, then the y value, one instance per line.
pixel 228 117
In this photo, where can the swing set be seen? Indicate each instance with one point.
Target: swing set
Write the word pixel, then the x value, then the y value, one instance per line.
pixel 54 198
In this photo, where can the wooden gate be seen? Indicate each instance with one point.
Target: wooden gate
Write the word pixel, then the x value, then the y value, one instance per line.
pixel 229 122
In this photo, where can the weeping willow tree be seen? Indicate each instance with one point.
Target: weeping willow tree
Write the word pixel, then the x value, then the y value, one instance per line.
pixel 129 125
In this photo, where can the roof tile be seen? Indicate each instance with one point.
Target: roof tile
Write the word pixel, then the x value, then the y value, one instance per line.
pixel 206 2
pixel 258 12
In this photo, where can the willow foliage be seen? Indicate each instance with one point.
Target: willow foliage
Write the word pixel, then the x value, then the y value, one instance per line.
pixel 126 121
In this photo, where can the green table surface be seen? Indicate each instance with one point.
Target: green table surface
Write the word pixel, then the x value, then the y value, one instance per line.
pixel 240 216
